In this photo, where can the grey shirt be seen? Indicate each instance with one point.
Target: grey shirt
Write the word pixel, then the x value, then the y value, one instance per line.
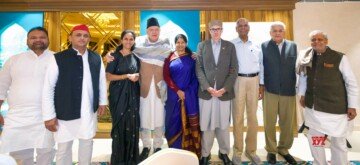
pixel 216 50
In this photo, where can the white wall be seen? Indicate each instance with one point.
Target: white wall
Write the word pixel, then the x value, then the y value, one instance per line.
pixel 341 21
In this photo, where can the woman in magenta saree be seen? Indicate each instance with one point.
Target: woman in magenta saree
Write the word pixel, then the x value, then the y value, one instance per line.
pixel 182 128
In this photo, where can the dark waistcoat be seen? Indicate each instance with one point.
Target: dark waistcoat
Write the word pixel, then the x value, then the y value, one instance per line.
pixel 326 90
pixel 279 68
pixel 68 89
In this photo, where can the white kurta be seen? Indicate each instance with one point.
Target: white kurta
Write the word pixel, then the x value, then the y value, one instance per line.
pixel 85 127
pixel 152 113
pixel 214 113
pixel 336 125
pixel 21 82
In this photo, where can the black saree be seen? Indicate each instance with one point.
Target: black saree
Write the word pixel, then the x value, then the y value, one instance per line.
pixel 124 100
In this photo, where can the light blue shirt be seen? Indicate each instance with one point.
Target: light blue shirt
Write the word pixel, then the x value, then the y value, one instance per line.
pixel 216 49
pixel 250 58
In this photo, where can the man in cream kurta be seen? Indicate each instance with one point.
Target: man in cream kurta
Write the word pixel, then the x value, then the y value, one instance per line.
pixel 74 93
pixel 329 94
pixel 152 52
pixel 21 82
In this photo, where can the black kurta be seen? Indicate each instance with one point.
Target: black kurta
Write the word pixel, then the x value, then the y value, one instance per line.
pixel 124 102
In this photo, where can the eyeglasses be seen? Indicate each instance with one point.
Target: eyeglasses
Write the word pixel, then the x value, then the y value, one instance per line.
pixel 215 29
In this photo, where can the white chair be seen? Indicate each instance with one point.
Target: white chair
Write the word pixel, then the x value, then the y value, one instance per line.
pixel 6 159
pixel 171 156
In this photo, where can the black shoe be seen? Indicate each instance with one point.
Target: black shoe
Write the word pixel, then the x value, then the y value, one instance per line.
pixel 289 159
pixel 205 160
pixel 225 159
pixel 156 150
pixel 144 154
pixel 271 158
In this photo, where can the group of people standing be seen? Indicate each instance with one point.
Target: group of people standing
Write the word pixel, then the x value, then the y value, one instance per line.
pixel 52 98
pixel 167 81
pixel 187 96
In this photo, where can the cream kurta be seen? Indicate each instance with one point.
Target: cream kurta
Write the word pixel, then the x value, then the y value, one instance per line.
pixel 336 125
pixel 152 113
pixel 21 82
pixel 85 127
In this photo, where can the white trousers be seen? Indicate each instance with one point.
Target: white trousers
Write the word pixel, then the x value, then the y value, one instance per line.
pixel 64 152
pixel 207 141
pixel 158 137
pixel 338 149
pixel 44 156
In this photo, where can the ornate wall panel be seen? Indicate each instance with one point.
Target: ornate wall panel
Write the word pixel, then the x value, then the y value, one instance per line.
pixel 105 27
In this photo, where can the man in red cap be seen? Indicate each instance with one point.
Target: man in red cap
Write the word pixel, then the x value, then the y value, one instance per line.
pixel 74 93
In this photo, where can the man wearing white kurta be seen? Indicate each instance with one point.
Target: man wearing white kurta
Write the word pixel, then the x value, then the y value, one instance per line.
pixel 152 52
pixel 21 82
pixel 329 94
pixel 74 92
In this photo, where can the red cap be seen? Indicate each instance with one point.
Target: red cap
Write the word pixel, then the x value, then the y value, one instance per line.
pixel 80 27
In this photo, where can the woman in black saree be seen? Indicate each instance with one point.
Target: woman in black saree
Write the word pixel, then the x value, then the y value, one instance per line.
pixel 124 99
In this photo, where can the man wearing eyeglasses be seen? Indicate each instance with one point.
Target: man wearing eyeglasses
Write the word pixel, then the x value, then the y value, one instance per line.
pixel 216 70
pixel 279 58
pixel 329 94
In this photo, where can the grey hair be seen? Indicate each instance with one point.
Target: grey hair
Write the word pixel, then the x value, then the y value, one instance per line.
pixel 315 32
pixel 277 23
pixel 214 23
pixel 241 19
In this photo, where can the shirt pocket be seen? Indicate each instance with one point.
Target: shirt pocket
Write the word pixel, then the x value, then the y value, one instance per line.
pixel 254 56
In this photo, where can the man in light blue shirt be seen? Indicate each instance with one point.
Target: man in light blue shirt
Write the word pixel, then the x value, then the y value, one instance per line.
pixel 250 75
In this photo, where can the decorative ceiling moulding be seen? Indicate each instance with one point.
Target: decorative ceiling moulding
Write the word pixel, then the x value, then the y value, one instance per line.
pixel 114 5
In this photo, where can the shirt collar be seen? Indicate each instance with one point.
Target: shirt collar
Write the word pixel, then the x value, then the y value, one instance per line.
pixel 238 40
pixel 35 55
pixel 79 54
pixel 215 43
pixel 281 43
